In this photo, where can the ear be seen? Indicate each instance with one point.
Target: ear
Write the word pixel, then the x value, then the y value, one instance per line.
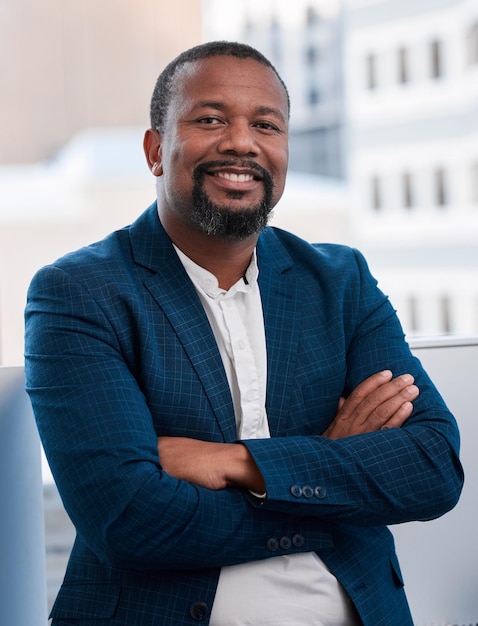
pixel 152 151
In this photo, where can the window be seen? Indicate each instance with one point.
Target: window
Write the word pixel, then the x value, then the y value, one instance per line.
pixel 475 316
pixel 473 44
pixel 248 27
pixel 445 314
pixel 313 96
pixel 408 195
pixel 440 187
pixel 376 200
pixel 312 55
pixel 413 314
pixel 371 71
pixel 436 59
pixel 275 25
pixel 275 37
pixel 312 15
pixel 403 69
pixel 474 183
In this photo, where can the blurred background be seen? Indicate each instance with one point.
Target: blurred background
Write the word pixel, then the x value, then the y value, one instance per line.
pixel 383 136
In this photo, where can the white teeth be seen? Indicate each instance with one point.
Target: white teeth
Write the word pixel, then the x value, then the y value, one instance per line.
pixel 235 178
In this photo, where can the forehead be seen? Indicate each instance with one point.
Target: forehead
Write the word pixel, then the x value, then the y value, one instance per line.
pixel 230 80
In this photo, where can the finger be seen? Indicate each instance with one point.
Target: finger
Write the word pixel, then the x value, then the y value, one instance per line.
pixel 371 384
pixel 376 402
pixel 384 400
pixel 394 411
pixel 363 391
pixel 399 417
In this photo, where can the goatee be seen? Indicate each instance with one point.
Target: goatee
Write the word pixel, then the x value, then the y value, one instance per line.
pixel 223 221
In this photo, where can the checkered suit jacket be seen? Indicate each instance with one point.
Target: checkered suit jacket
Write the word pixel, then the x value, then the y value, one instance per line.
pixel 119 351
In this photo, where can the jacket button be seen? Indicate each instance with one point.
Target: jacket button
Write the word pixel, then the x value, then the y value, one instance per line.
pixel 296 491
pixel 272 544
pixel 199 611
pixel 298 541
pixel 307 491
pixel 285 543
pixel 320 492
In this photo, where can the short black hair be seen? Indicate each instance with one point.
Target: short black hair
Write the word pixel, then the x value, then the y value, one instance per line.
pixel 163 90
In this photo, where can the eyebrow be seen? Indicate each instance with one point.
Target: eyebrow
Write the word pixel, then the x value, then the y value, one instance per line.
pixel 261 110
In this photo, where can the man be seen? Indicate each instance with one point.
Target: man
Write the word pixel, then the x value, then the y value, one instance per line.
pixel 231 415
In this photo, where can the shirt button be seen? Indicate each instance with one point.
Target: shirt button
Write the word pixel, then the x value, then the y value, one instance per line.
pixel 320 492
pixel 285 543
pixel 241 344
pixel 272 544
pixel 296 491
pixel 298 541
pixel 307 491
pixel 199 611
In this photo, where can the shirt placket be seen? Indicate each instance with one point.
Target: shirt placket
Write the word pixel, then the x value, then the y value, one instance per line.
pixel 242 355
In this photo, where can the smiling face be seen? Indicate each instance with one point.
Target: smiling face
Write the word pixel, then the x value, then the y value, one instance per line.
pixel 222 156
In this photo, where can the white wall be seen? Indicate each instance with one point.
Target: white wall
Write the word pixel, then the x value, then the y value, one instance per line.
pixel 439 559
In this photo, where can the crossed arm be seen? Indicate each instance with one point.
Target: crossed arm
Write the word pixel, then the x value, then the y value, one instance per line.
pixel 98 429
pixel 379 402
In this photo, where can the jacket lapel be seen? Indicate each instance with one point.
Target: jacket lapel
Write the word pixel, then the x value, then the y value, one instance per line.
pixel 280 302
pixel 170 285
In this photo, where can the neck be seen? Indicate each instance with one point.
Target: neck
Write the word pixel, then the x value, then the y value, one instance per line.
pixel 227 260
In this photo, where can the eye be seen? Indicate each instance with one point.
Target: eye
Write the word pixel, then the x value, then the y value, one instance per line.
pixel 208 120
pixel 267 126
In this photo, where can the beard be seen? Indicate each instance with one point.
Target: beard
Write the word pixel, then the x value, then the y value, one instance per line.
pixel 228 222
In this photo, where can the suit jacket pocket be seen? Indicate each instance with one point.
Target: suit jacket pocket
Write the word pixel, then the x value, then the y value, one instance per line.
pixel 86 600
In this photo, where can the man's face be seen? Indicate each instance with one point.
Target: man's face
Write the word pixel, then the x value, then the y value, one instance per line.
pixel 224 149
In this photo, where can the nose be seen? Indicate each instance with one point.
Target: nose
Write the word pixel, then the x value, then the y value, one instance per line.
pixel 238 138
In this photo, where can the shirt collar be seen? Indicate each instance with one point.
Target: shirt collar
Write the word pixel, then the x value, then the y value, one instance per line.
pixel 207 282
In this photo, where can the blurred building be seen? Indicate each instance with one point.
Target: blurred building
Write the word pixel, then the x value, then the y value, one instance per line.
pixel 304 40
pixel 412 115
pixel 395 81
pixel 77 78
pixel 385 94
pixel 67 66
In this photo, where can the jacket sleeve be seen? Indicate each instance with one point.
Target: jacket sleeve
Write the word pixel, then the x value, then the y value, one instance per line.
pixel 98 435
pixel 385 477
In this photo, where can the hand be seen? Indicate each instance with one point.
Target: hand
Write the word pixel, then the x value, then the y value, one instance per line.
pixel 208 464
pixel 379 402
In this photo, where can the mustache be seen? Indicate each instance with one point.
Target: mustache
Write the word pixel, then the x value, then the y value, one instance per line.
pixel 201 169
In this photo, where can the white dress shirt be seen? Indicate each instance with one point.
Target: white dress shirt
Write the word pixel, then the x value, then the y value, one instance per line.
pixel 292 590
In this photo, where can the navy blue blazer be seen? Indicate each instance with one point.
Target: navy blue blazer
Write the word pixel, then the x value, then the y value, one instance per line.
pixel 120 351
